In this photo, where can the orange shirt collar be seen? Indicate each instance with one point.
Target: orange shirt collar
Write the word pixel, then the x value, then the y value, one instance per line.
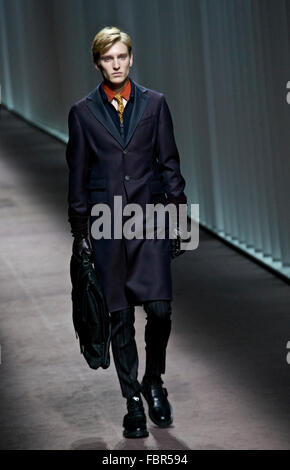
pixel 111 93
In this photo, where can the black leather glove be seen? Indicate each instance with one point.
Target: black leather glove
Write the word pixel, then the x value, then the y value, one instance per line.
pixel 175 244
pixel 82 247
pixel 79 229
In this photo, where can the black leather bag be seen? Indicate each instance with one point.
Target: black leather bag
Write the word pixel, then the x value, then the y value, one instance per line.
pixel 90 314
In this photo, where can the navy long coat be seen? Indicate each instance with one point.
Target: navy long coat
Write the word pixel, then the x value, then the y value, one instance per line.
pixel 143 167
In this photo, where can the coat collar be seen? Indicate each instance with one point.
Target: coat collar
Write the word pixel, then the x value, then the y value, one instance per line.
pixel 95 103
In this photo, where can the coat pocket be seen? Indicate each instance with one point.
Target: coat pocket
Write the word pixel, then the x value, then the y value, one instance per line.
pixel 97 183
pixel 148 120
pixel 97 190
pixel 156 187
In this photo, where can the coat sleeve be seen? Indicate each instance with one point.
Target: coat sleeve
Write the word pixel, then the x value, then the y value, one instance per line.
pixel 168 157
pixel 77 160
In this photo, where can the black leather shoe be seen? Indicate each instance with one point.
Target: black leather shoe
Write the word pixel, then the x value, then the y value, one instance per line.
pixel 134 421
pixel 159 408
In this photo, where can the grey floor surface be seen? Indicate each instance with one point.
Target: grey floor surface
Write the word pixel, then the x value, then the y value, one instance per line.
pixel 227 375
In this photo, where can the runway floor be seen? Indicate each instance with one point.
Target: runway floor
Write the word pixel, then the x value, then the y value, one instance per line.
pixel 227 375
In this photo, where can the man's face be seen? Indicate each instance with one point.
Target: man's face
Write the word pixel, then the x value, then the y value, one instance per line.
pixel 115 60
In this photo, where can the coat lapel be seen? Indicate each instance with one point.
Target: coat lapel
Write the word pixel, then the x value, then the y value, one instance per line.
pixel 96 105
pixel 140 102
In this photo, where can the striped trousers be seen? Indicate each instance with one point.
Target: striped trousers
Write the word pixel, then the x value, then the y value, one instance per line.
pixel 124 348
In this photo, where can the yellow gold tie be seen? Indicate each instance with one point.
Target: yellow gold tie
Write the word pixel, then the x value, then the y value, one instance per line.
pixel 120 106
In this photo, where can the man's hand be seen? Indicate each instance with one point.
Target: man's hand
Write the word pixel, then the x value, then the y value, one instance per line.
pixel 82 247
pixel 175 244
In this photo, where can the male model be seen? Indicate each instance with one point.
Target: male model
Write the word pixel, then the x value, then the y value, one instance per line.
pixel 121 143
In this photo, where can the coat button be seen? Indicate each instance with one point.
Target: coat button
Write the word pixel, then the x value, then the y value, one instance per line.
pixel 125 152
pixel 127 177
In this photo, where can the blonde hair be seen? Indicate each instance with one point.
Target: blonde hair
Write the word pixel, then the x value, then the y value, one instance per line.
pixel 105 38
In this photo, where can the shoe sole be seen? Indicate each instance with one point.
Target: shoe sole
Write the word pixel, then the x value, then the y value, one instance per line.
pixel 136 434
pixel 160 425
